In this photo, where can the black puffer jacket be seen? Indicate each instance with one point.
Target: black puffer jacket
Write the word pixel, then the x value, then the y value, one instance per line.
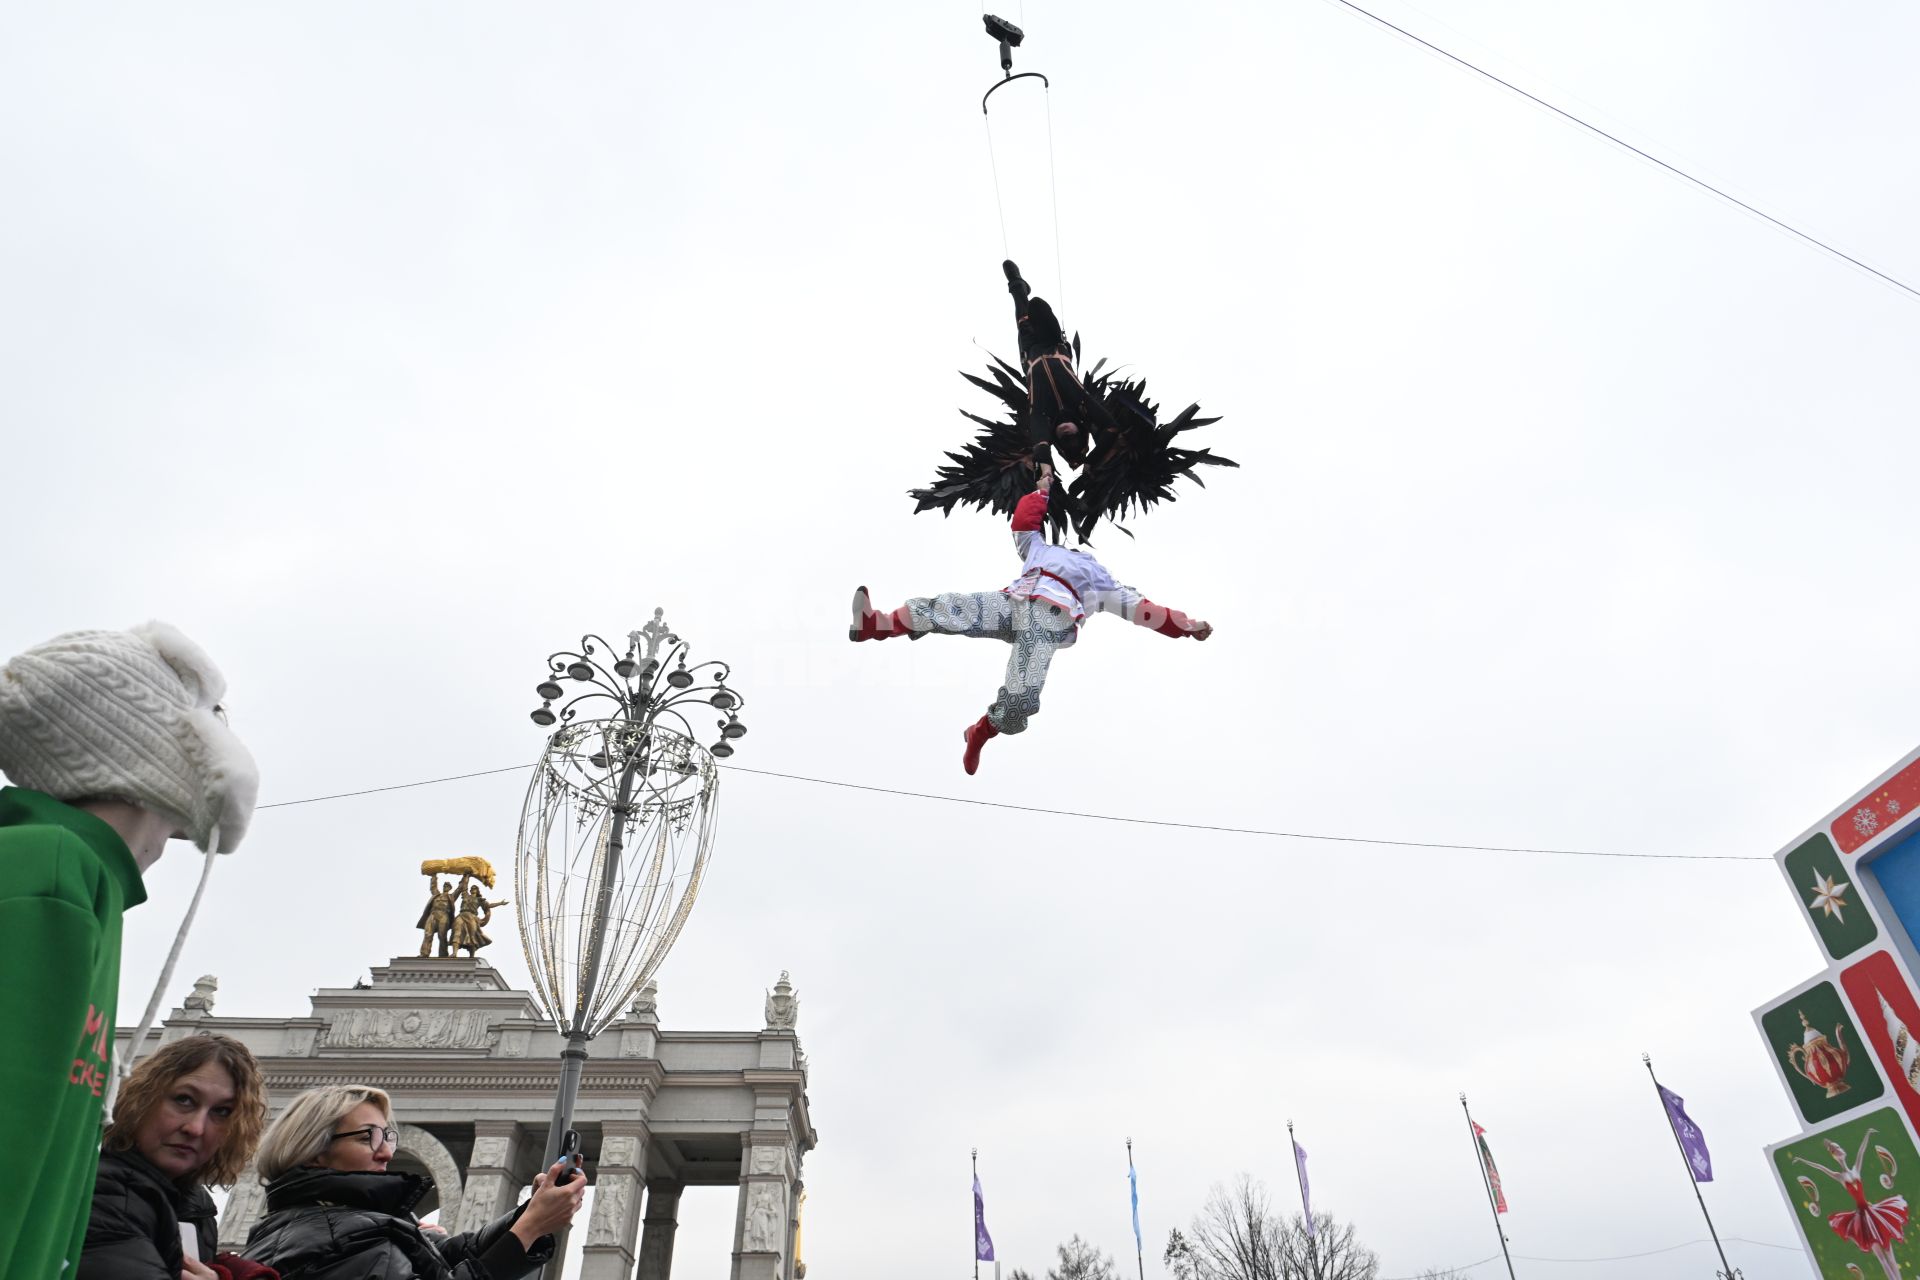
pixel 322 1224
pixel 133 1230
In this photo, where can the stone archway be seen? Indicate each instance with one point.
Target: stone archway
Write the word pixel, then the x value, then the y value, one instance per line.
pixel 428 1154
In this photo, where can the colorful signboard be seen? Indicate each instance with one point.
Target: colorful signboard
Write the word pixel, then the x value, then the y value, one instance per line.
pixel 1846 1042
pixel 1850 1187
pixel 1823 1060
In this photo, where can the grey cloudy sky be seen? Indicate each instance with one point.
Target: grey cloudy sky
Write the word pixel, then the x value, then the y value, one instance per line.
pixel 386 348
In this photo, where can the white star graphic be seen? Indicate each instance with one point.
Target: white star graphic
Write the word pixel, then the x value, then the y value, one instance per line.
pixel 1826 897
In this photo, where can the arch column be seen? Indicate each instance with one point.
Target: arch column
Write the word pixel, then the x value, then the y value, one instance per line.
pixel 246 1206
pixel 491 1187
pixel 762 1232
pixel 608 1253
pixel 656 1239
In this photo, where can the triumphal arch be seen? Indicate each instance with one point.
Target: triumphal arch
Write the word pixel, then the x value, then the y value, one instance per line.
pixel 473 1071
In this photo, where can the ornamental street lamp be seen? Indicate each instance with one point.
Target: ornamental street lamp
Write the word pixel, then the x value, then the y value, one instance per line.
pixel 596 924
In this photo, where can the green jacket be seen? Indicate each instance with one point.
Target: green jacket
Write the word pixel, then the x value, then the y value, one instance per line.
pixel 65 879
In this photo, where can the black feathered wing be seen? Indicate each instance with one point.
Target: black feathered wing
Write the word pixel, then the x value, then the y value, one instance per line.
pixel 1135 458
pixel 1132 463
pixel 995 469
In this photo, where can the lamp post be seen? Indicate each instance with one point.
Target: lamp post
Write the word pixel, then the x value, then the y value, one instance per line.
pixel 630 774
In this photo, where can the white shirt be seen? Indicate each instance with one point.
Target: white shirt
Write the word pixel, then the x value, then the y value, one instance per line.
pixel 1071 579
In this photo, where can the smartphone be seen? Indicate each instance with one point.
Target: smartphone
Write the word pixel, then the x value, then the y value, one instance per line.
pixel 570 1152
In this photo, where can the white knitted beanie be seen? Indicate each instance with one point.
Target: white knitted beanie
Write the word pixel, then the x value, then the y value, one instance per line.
pixel 129 715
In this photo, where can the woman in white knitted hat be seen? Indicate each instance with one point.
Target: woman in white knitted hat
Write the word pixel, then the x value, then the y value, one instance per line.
pixel 116 743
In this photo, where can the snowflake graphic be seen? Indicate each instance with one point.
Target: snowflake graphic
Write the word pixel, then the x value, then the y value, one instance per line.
pixel 1865 821
pixel 1893 808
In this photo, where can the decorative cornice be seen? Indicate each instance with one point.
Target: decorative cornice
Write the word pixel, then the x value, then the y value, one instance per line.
pixel 642 1077
pixel 311 1074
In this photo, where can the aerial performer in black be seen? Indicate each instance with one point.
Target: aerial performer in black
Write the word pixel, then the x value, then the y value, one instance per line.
pixel 1104 426
pixel 1039 613
pixel 1058 406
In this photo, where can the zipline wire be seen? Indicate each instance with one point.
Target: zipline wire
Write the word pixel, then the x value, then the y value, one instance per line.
pixel 1087 815
pixel 1644 155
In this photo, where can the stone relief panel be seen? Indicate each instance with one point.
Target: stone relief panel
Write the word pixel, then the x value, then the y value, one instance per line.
pixel 514 1042
pixel 767 1159
pixel 245 1206
pixel 620 1149
pixel 300 1042
pixel 613 1202
pixel 409 1029
pixel 763 1233
pixel 489 1152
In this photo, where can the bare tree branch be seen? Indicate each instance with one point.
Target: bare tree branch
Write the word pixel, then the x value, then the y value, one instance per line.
pixel 1079 1260
pixel 1237 1236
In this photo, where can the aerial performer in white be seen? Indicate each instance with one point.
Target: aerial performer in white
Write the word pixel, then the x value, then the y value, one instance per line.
pixel 1039 613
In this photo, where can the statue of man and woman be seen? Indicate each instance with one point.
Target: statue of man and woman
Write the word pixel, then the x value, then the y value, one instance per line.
pixel 455 918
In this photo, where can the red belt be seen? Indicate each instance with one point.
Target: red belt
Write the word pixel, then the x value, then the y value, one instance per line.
pixel 1063 582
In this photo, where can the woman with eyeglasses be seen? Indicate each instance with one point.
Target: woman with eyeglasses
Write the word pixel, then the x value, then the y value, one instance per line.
pixel 334 1212
pixel 189 1114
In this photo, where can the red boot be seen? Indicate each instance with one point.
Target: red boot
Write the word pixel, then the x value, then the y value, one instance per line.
pixel 977 734
pixel 868 624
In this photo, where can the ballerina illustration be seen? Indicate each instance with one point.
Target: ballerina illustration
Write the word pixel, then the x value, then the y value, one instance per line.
pixel 1873 1227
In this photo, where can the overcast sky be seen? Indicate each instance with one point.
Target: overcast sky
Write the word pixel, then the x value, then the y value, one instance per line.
pixel 386 348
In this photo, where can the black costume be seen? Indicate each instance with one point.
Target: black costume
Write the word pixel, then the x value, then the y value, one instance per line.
pixel 133 1229
pixel 1127 458
pixel 1061 412
pixel 323 1224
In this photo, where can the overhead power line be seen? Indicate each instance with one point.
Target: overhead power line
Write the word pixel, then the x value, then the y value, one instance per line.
pixel 398 786
pixel 1628 146
pixel 1621 1257
pixel 1089 816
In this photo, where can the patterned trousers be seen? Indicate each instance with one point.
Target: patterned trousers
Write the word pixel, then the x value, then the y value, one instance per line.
pixel 1036 629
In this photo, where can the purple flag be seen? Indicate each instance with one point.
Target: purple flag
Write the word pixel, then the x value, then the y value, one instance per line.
pixel 1306 1202
pixel 982 1242
pixel 1692 1141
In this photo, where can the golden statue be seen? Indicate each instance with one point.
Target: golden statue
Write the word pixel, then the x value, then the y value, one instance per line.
pixel 436 922
pixel 456 917
pixel 476 912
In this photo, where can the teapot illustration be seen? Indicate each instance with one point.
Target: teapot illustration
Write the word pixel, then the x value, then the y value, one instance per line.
pixel 1820 1061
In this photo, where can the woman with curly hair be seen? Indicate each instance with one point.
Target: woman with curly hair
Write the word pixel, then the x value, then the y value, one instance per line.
pixel 190 1114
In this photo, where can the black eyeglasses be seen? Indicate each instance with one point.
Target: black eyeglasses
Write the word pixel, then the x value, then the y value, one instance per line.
pixel 374 1135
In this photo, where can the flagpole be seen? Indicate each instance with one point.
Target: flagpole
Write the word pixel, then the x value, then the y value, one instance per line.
pixel 1139 1250
pixel 1487 1182
pixel 1726 1272
pixel 976 1233
pixel 1313 1251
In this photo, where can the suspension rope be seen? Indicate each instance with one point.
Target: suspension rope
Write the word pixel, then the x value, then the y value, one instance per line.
pixel 1053 182
pixel 1006 250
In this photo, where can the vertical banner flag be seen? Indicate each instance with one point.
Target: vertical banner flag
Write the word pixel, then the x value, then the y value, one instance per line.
pixel 1306 1202
pixel 982 1242
pixel 1692 1141
pixel 1493 1174
pixel 1133 1185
